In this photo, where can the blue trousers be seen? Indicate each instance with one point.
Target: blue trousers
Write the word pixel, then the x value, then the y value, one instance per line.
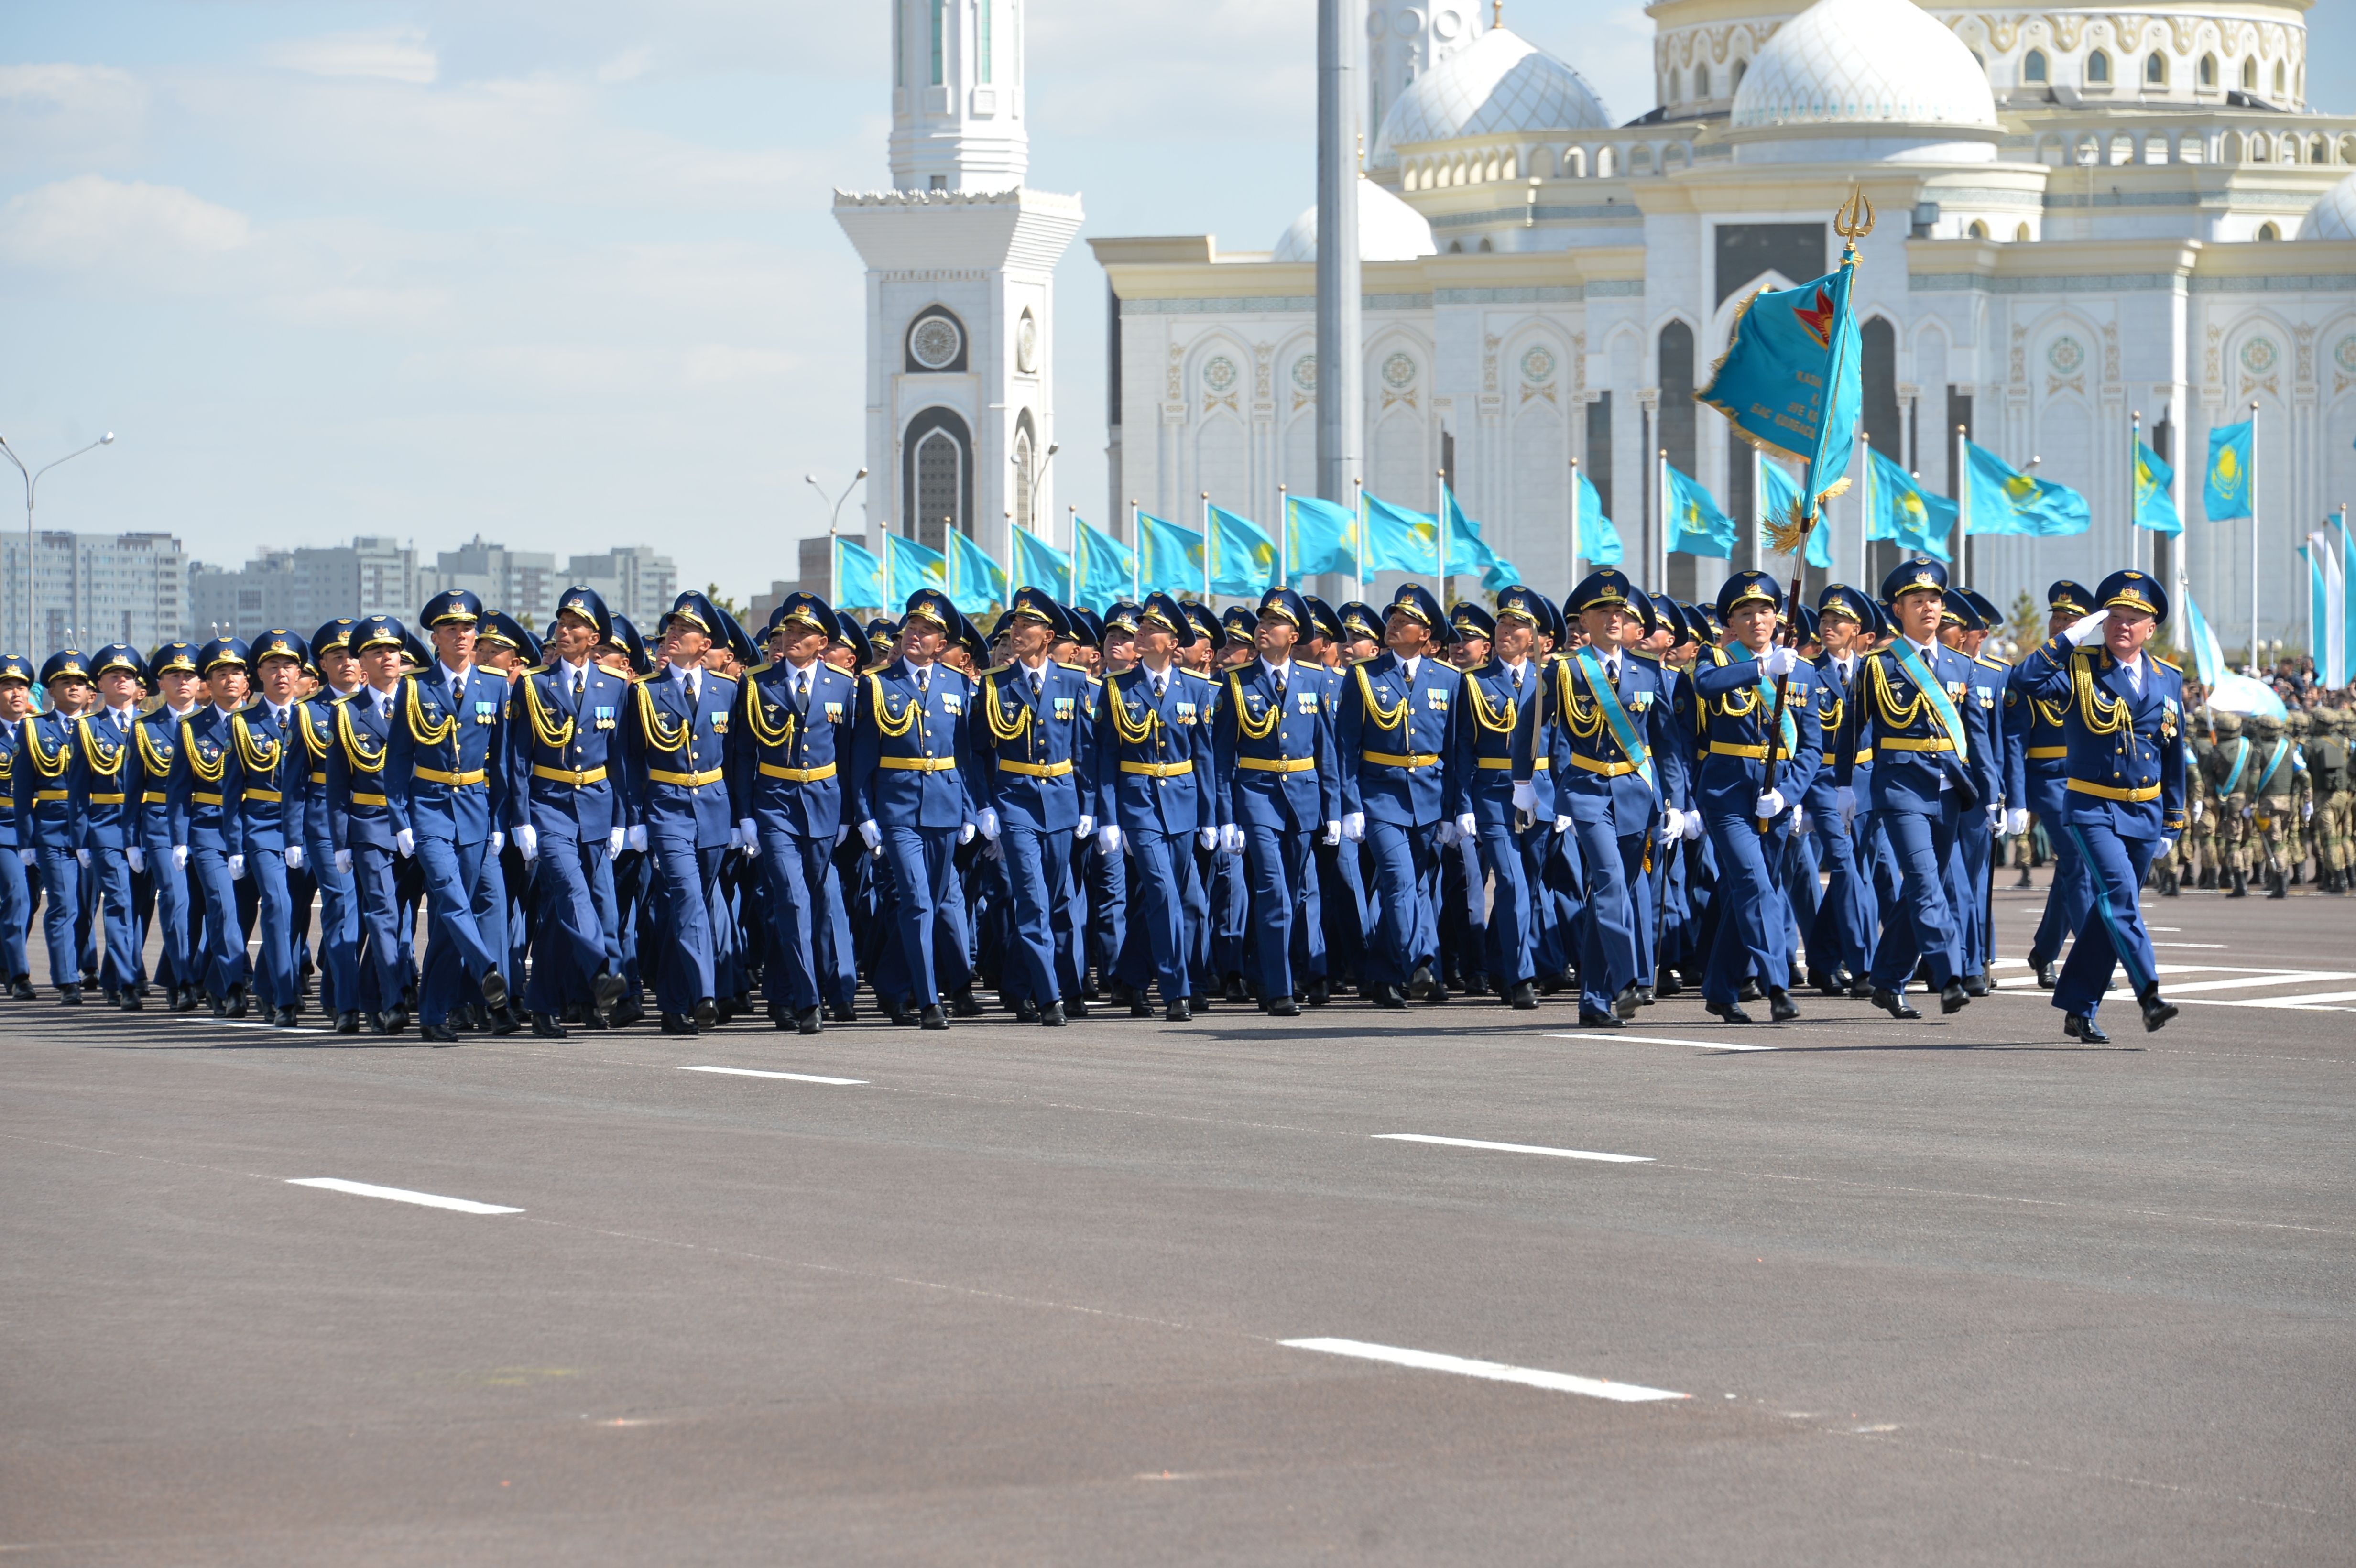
pixel 1919 923
pixel 1276 866
pixel 61 882
pixel 1842 935
pixel 1974 842
pixel 1038 873
pixel 570 941
pixel 381 974
pixel 15 917
pixel 1108 887
pixel 108 877
pixel 339 927
pixel 464 940
pixel 2110 925
pixel 223 958
pixel 275 982
pixel 1512 913
pixel 2048 800
pixel 811 933
pixel 1158 865
pixel 168 886
pixel 1342 909
pixel 1753 919
pixel 1609 958
pixel 686 880
pixel 1407 873
pixel 928 905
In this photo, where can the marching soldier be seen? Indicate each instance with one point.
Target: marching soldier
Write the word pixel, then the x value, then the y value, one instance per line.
pixel 2328 767
pixel 99 777
pixel 2278 799
pixel 322 868
pixel 2039 755
pixel 1844 925
pixel 49 820
pixel 16 854
pixel 2230 775
pixel 1513 809
pixel 199 825
pixel 2125 728
pixel 265 771
pixel 361 821
pixel 677 737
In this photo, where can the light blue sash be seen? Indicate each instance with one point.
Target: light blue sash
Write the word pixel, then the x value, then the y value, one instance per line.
pixel 2241 760
pixel 1623 729
pixel 1942 706
pixel 1737 653
pixel 2282 750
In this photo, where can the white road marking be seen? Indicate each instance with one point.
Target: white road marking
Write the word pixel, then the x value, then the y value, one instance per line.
pixel 2318 1001
pixel 1658 1039
pixel 2218 946
pixel 399 1195
pixel 756 1072
pixel 1496 1371
pixel 2270 977
pixel 1518 1148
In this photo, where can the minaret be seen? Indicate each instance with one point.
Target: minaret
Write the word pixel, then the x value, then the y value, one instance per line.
pixel 960 263
pixel 1407 38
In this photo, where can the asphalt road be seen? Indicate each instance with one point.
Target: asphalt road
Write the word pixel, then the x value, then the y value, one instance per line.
pixel 1951 1292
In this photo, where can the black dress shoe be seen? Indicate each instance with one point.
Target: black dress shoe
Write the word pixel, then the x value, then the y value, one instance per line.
pixel 1731 1012
pixel 503 1021
pixel 842 1013
pixel 1139 1007
pixel 133 1003
pixel 901 1011
pixel 1281 1007
pixel 495 989
pixel 1894 1005
pixel 605 991
pixel 1747 992
pixel 965 1004
pixel 2155 1011
pixel 1233 993
pixel 1320 991
pixel 1624 1005
pixel 1181 1011
pixel 1975 985
pixel 1051 1016
pixel 1861 989
pixel 2084 1030
pixel 1521 996
pixel 399 1019
pixel 1075 1006
pixel 112 996
pixel 933 1018
pixel 707 1013
pixel 544 1027
pixel 1026 1011
pixel 437 1034
pixel 629 1012
pixel 2049 974
pixel 1387 997
pixel 1590 1018
pixel 236 1003
pixel 723 1008
pixel 1421 985
pixel 283 1018
pixel 1670 984
pixel 1831 985
pixel 348 1023
pixel 1119 993
pixel 1644 993
pixel 807 1021
pixel 1953 999
pixel 678 1024
pixel 69 995
pixel 1781 1007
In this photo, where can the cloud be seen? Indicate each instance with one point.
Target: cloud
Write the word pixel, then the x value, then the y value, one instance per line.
pixel 391 54
pixel 91 224
pixel 70 116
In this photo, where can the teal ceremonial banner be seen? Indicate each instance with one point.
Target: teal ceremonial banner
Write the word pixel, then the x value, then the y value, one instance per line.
pixel 1899 510
pixel 2002 500
pixel 976 581
pixel 908 566
pixel 1469 555
pixel 857 576
pixel 1319 536
pixel 1243 558
pixel 1695 524
pixel 1104 571
pixel 1779 493
pixel 1038 564
pixel 2155 509
pixel 2225 494
pixel 1599 537
pixel 1171 558
pixel 1401 540
pixel 1790 380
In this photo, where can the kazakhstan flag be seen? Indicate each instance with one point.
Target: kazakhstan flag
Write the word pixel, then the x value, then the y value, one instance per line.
pixel 2155 507
pixel 1790 382
pixel 1319 536
pixel 1243 558
pixel 2225 494
pixel 1104 571
pixel 1904 513
pixel 1778 495
pixel 1695 524
pixel 857 576
pixel 908 566
pixel 1469 555
pixel 976 581
pixel 1038 564
pixel 1401 540
pixel 1170 556
pixel 1598 538
pixel 2004 501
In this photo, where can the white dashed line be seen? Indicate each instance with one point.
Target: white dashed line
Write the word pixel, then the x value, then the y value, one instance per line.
pixel 1603 1034
pixel 399 1195
pixel 1518 1148
pixel 1495 1371
pixel 756 1072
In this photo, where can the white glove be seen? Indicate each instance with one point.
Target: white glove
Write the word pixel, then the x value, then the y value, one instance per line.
pixel 748 833
pixel 2016 821
pixel 1564 824
pixel 1231 840
pixel 237 867
pixel 2087 628
pixel 2167 845
pixel 1996 817
pixel 840 835
pixel 2307 811
pixel 81 859
pixel 987 822
pixel 1693 825
pixel 871 835
pixel 1447 836
pixel 1087 825
pixel 1353 826
pixel 613 840
pixel 965 832
pixel 1467 825
pixel 1333 834
pixel 527 839
pixel 499 841
pixel 1109 839
pixel 1847 800
pixel 138 858
pixel 344 862
pixel 406 842
pixel 1778 662
pixel 180 857
pixel 994 849
pixel 1525 796
pixel 2196 811
pixel 1800 821
pixel 636 838
pixel 1770 803
pixel 294 857
pixel 1672 824
pixel 28 856
pixel 1208 838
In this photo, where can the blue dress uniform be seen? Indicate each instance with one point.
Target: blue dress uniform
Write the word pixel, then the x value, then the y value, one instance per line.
pixel 330 875
pixel 787 752
pixel 567 805
pixel 1499 759
pixel 1030 758
pixel 913 791
pixel 1154 787
pixel 1617 764
pixel 48 823
pixel 1743 736
pixel 364 830
pixel 266 774
pixel 1976 833
pixel 444 774
pixel 16 888
pixel 200 839
pixel 155 742
pixel 1840 943
pixel 1927 771
pixel 1276 793
pixel 100 779
pixel 1396 742
pixel 677 740
pixel 2038 751
pixel 2124 799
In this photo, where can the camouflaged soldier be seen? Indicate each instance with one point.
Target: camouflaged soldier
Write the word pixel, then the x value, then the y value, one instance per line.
pixel 2200 800
pixel 2227 776
pixel 2299 841
pixel 2278 797
pixel 2327 766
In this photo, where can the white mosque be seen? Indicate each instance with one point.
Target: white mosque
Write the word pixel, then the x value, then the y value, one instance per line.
pixel 2083 217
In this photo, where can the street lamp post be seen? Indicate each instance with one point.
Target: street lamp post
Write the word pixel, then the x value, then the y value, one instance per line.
pixel 834 514
pixel 1053 448
pixel 32 485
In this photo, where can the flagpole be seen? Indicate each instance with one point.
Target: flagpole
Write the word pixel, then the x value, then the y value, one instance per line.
pixel 1209 543
pixel 1283 539
pixel 1865 582
pixel 1136 556
pixel 1441 474
pixel 2253 536
pixel 2135 463
pixel 1658 567
pixel 1358 545
pixel 1574 525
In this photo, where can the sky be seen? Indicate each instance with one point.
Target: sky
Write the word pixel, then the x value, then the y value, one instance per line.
pixel 564 272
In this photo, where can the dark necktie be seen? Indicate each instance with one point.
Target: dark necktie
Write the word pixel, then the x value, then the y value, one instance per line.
pixel 1159 682
pixel 1037 681
pixel 923 685
pixel 580 687
pixel 801 693
pixel 1517 681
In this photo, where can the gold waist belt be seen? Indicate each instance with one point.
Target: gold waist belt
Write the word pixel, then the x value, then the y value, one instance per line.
pixel 436 775
pixel 1033 770
pixel 697 781
pixel 1276 764
pixel 797 775
pixel 1394 759
pixel 1158 770
pixel 916 764
pixel 2112 792
pixel 579 778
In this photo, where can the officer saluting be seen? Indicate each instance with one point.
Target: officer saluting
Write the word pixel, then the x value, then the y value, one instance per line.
pixel 1031 759
pixel 676 736
pixel 2123 725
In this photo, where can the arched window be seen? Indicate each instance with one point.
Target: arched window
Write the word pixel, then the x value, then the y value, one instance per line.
pixel 1676 87
pixel 1979 230
pixel 1701 80
pixel 2098 67
pixel 1741 66
pixel 2032 66
pixel 2250 75
pixel 2279 79
pixel 2155 69
pixel 2022 235
pixel 2208 70
pixel 1485 246
pixel 940 32
pixel 1027 470
pixel 1456 247
pixel 2268 231
pixel 936 477
pixel 982 50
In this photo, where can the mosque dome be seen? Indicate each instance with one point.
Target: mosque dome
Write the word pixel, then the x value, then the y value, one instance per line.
pixel 2334 216
pixel 1856 66
pixel 1388 230
pixel 1502 85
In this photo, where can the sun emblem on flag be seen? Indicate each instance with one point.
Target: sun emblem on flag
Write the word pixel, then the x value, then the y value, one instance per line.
pixel 1816 319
